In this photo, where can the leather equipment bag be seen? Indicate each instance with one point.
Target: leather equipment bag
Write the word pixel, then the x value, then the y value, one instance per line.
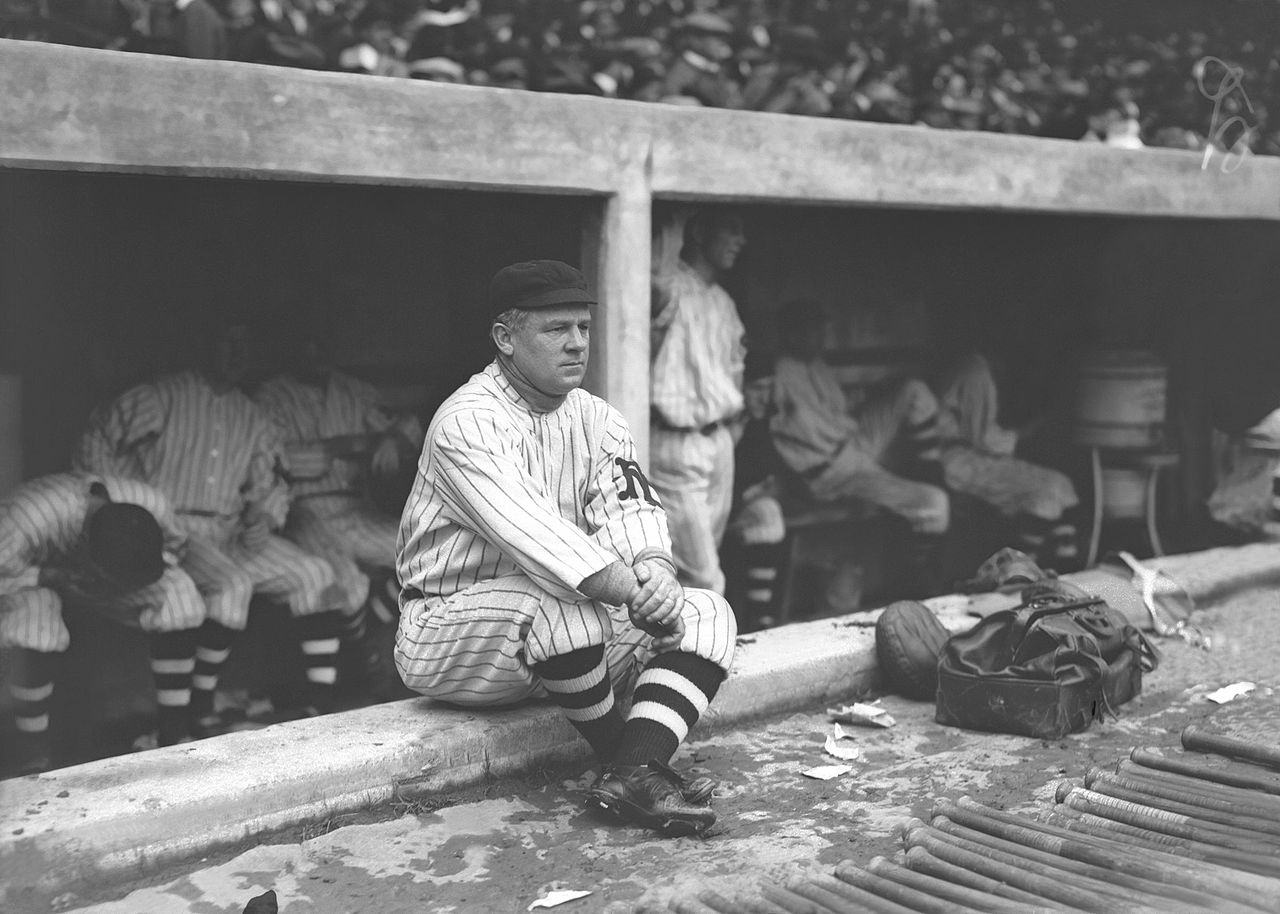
pixel 1049 667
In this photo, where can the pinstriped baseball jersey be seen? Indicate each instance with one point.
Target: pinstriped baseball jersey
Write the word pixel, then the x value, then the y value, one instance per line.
pixel 502 487
pixel 207 451
pixel 343 406
pixel 42 521
pixel 697 365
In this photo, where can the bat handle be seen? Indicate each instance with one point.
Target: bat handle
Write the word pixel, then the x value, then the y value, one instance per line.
pixel 1197 739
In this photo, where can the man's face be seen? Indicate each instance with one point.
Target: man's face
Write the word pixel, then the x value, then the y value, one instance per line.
pixel 722 242
pixel 550 348
pixel 232 355
pixel 758 397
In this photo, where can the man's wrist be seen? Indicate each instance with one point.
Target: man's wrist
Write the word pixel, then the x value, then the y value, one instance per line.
pixel 613 584
pixel 654 554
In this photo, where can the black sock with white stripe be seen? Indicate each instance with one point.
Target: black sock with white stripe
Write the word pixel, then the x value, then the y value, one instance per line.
pixel 763 561
pixel 319 634
pixel 213 646
pixel 173 661
pixel 671 694
pixel 579 683
pixel 31 686
pixel 356 626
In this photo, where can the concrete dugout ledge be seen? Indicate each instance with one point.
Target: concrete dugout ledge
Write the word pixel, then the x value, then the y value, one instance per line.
pixel 115 818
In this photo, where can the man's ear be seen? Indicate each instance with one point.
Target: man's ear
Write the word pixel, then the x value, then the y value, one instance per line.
pixel 501 335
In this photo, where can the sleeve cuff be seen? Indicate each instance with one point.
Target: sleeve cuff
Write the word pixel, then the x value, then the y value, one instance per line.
pixel 656 554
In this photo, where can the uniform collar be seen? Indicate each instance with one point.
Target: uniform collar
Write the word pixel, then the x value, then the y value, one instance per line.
pixel 509 390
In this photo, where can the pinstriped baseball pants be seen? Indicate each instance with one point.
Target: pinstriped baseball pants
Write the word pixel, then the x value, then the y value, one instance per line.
pixel 228 574
pixel 346 533
pixel 31 617
pixel 476 646
pixel 693 476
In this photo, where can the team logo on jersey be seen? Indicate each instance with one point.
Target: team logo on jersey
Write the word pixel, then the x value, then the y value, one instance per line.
pixel 635 476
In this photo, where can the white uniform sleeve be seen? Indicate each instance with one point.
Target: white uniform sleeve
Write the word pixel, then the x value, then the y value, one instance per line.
pixel 486 488
pixel 20 542
pixel 622 509
pixel 264 485
pixel 109 445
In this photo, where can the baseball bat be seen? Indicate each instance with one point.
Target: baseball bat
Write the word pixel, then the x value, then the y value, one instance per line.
pixel 858 901
pixel 692 906
pixel 1113 786
pixel 839 887
pixel 1255 872
pixel 1200 787
pixel 1107 847
pixel 1158 820
pixel 940 888
pixel 791 902
pixel 1133 900
pixel 1087 875
pixel 1197 739
pixel 1233 774
pixel 1197 793
pixel 1056 839
pixel 1108 843
pixel 717 902
pixel 758 906
pixel 908 898
pixel 921 861
pixel 975 858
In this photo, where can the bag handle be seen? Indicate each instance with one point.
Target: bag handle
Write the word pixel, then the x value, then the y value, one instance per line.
pixel 1022 625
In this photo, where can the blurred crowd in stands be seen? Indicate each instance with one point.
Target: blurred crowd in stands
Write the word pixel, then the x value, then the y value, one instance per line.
pixel 1134 72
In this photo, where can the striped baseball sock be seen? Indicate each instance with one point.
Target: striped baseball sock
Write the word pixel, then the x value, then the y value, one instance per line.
pixel 213 646
pixel 173 661
pixel 31 686
pixel 762 561
pixel 1035 538
pixel 923 440
pixel 356 626
pixel 319 634
pixel 671 694
pixel 579 683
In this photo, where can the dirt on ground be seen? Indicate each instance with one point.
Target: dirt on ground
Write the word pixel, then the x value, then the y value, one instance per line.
pixel 502 846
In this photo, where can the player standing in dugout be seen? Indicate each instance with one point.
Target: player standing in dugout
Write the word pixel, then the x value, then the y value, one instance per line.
pixel 535 560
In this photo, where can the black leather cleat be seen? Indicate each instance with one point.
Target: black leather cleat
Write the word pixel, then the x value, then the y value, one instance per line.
pixel 696 789
pixel 650 795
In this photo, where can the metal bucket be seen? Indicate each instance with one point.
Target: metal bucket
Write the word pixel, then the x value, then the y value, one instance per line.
pixel 1121 399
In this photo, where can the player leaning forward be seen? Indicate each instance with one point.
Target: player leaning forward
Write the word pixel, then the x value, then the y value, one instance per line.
pixel 533 556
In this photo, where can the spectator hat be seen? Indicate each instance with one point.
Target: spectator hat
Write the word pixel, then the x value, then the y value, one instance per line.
pixel 126 544
pixel 537 284
pixel 440 69
pixel 706 24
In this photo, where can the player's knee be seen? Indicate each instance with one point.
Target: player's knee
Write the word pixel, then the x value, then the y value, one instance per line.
pixel 919 398
pixel 935 510
pixel 706 608
pixel 181 606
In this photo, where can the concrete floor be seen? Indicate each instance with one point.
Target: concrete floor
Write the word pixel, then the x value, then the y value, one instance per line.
pixel 502 846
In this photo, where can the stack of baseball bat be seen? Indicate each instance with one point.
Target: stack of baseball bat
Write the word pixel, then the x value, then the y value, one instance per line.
pixel 1162 833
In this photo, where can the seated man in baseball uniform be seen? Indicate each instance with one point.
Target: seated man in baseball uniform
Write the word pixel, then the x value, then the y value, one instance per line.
pixel 199 439
pixel 111 545
pixel 534 560
pixel 338 434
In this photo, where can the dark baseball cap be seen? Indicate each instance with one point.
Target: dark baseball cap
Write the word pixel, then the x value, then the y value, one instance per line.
pixel 537 284
pixel 126 543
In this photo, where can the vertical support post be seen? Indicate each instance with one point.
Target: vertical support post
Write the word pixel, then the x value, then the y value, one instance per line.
pixel 10 432
pixel 615 260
